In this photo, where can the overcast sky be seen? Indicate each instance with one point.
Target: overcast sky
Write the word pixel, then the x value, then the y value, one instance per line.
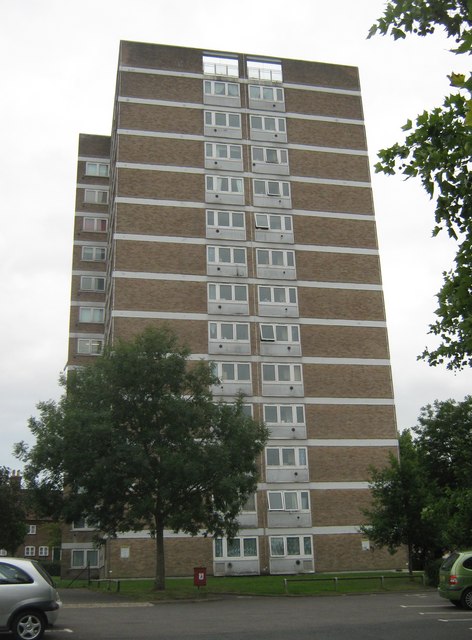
pixel 59 68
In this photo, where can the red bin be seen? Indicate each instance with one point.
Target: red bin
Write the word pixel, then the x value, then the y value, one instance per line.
pixel 199 576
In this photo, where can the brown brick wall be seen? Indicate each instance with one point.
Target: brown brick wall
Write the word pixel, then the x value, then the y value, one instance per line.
pixel 345 553
pixel 162 185
pixel 162 221
pixel 159 257
pixel 338 267
pixel 167 151
pixel 336 507
pixel 170 119
pixel 158 295
pixel 157 56
pixel 192 333
pixel 347 381
pixel 350 421
pixel 341 303
pixel 94 146
pixel 335 232
pixel 333 166
pixel 331 197
pixel 323 104
pixel 346 464
pixel 344 342
pixel 160 87
pixel 326 134
pixel 321 74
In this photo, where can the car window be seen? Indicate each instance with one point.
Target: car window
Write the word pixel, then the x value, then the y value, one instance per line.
pixel 44 573
pixel 10 574
pixel 467 564
pixel 449 561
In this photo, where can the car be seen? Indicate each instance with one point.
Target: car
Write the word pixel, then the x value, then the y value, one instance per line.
pixel 29 602
pixel 455 579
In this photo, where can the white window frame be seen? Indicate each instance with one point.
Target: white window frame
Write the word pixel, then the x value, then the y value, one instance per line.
pixel 272 332
pixel 95 283
pixel 302 500
pixel 234 152
pixel 275 258
pixel 223 255
pixel 97 254
pixel 271 188
pixel 267 221
pixel 264 93
pixel 96 196
pixel 227 185
pixel 268 124
pixel 300 457
pixel 215 289
pixel 30 551
pixel 85 563
pixel 32 529
pixel 303 541
pixel 280 369
pixel 219 66
pixel 262 155
pixel 264 70
pixel 95 222
pixel 225 546
pixel 97 315
pixel 229 372
pixel 213 88
pixel 297 414
pixel 89 346
pixel 290 295
pixel 217 332
pixel 3 553
pixel 98 169
pixel 216 219
pixel 43 551
pixel 215 119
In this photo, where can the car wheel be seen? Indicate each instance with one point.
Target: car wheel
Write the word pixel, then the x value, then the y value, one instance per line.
pixel 466 599
pixel 28 625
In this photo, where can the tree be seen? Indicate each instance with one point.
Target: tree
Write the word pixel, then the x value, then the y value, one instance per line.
pixel 13 520
pixel 137 442
pixel 438 149
pixel 399 497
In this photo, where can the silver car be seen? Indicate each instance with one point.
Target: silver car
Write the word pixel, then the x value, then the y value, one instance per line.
pixel 29 602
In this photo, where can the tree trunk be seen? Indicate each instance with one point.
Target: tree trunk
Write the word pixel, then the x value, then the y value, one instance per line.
pixel 410 558
pixel 160 577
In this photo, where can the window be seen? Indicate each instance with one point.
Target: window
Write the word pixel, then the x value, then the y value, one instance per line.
pixel 267 124
pixel 94 253
pixel 226 255
pixel 96 196
pixel 279 295
pixel 30 551
pixel 3 553
pixel 286 456
pixel 223 89
pixel 281 372
pixel 89 346
pixel 92 314
pixel 267 94
pixel 290 546
pixel 283 414
pixel 271 188
pixel 81 558
pixel 223 184
pixel 216 66
pixel 222 119
pixel 280 333
pixel 92 283
pixel 32 529
pixel 81 523
pixel 97 169
pixel 43 552
pixel 227 219
pixel 250 504
pixel 9 574
pixel 228 331
pixel 236 548
pixel 288 500
pixel 273 222
pixel 227 292
pixel 232 371
pixel 269 155
pixel 215 150
pixel 275 258
pixel 95 224
pixel 270 71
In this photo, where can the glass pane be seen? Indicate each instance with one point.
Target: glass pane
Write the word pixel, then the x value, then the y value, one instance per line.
pixel 102 197
pixel 256 122
pixel 240 256
pixel 208 118
pixel 295 335
pixel 288 457
pixel 235 152
pixel 288 223
pixel 279 294
pixel 207 85
pixel 227 332
pixel 221 150
pixel 209 183
pixel 236 185
pixel 283 156
pixel 254 92
pixel 305 503
pixel 211 254
pixel 227 371
pixel 238 220
pixel 265 294
pixel 223 184
pixel 262 221
pixel 273 188
pixel 244 372
pixel 281 122
pixel 268 372
pixel 220 119
pixel 213 330
pixel 286 414
pixel 233 120
pixel 302 457
pixel 276 546
pixel 297 373
pixel 250 504
pixel 282 333
pixel 240 293
pixel 307 545
pixel 259 187
pixel 234 548
pixel 276 223
pixel 212 292
pixel 223 218
pixel 224 254
pixel 269 124
pixel 271 156
pixel 78 559
pixel 226 292
pixel 267 93
pixel 262 256
pixel 292 295
pixel 283 371
pixel 279 95
pixel 92 557
pixel 267 332
pixel 242 332
pixel 300 414
pixel 258 154
pixel 290 259
pixel 233 90
pixel 285 189
pixel 278 258
pixel 270 413
pixel 291 501
pixel 210 218
pixel 293 546
pixel 273 457
pixel 250 547
pixel 275 500
pixel 220 88
pixel 218 548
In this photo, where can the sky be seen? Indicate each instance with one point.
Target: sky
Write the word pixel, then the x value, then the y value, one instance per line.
pixel 58 77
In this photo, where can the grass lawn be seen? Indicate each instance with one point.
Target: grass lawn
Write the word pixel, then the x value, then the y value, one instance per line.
pixel 308 584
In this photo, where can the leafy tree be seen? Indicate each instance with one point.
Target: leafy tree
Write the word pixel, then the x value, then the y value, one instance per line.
pixel 138 442
pixel 437 149
pixel 399 496
pixel 13 517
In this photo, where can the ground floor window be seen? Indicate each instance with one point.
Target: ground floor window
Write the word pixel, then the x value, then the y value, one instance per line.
pixel 236 548
pixel 82 558
pixel 281 546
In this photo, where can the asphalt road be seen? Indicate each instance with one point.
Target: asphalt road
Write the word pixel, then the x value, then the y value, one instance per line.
pixel 92 616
